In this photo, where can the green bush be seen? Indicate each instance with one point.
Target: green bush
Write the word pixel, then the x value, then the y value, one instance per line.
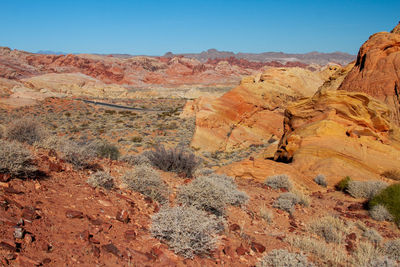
pixel 15 159
pixel 343 184
pixel 390 199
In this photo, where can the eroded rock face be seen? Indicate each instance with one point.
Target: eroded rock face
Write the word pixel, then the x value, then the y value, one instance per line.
pixel 251 113
pixel 377 70
pixel 340 133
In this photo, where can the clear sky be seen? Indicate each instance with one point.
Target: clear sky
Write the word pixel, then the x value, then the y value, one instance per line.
pixel 154 27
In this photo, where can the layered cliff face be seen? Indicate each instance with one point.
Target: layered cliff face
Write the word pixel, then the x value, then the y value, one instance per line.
pixel 340 133
pixel 377 70
pixel 251 113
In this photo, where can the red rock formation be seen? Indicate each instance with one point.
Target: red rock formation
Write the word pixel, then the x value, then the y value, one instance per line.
pixel 377 70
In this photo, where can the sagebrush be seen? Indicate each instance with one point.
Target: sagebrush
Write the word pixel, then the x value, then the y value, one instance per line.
pixel 279 181
pixel 187 230
pixel 365 189
pixel 101 179
pixel 284 258
pixel 25 130
pixel 16 159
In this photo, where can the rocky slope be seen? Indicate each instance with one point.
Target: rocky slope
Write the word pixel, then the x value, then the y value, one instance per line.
pixel 252 113
pixel 377 70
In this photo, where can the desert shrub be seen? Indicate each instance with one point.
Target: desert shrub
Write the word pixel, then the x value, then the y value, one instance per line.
pixel 286 202
pixel 320 180
pixel 343 184
pixel 279 181
pixel 392 249
pixel 15 159
pixel 175 159
pixel 266 214
pixel 103 149
pixel 303 199
pixel 25 130
pixel 392 174
pixel 187 230
pixel 79 155
pixel 144 179
pixel 365 253
pixel 372 235
pixel 330 228
pixel 390 199
pixel 365 189
pixel 1 131
pixel 203 172
pixel 101 179
pixel 137 139
pixel 382 262
pixel 136 159
pixel 211 193
pixel 284 258
pixel 380 213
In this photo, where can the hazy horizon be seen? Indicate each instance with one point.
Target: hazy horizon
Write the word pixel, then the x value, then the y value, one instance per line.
pixel 156 27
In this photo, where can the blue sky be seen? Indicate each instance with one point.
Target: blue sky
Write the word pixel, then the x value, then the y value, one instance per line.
pixel 155 27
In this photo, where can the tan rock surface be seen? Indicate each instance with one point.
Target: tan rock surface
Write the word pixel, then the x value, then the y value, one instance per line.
pixel 377 70
pixel 252 112
pixel 339 133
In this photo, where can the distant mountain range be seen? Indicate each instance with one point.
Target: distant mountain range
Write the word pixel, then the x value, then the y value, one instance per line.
pixel 307 58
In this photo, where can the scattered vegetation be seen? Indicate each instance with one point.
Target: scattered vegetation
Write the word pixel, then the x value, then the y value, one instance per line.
pixel 16 159
pixel 101 179
pixel 187 230
pixel 330 228
pixel 390 199
pixel 392 174
pixel 286 202
pixel 211 193
pixel 139 159
pixel 175 159
pixel 146 180
pixel 343 184
pixel 279 181
pixel 26 130
pixel 284 258
pixel 365 189
pixel 320 180
pixel 392 249
pixel 380 213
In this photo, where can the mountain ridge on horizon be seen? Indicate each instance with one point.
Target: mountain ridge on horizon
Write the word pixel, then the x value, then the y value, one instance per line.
pixel 315 57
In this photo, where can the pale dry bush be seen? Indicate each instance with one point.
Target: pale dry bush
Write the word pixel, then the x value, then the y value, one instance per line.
pixel 16 159
pixel 266 214
pixel 330 228
pixel 365 253
pixel 139 159
pixel 101 179
pixel 144 179
pixel 320 180
pixel 372 235
pixel 365 189
pixel 286 202
pixel 187 230
pixel 382 261
pixel 211 193
pixel 380 213
pixel 392 249
pixel 284 258
pixel 25 130
pixel 279 181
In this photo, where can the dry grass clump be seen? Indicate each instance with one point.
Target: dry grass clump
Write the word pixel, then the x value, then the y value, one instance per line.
pixel 266 214
pixel 365 253
pixel 320 180
pixel 372 235
pixel 279 181
pixel 286 202
pixel 332 229
pixel 176 159
pixel 392 249
pixel 211 193
pixel 392 174
pixel 103 149
pixel 365 189
pixel 101 179
pixel 25 130
pixel 187 230
pixel 16 159
pixel 284 258
pixel 144 179
pixel 382 261
pixel 332 253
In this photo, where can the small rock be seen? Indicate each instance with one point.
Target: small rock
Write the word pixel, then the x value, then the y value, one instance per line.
pixel 94 241
pixel 130 235
pixel 257 247
pixel 29 214
pixel 72 214
pixel 234 227
pixel 351 236
pixel 8 246
pixel 11 190
pixel 123 216
pixel 55 167
pixel 241 250
pixel 96 251
pixel 46 261
pixel 110 248
pixel 85 235
pixel 28 239
pixel 355 206
pixel 19 233
pixel 25 261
